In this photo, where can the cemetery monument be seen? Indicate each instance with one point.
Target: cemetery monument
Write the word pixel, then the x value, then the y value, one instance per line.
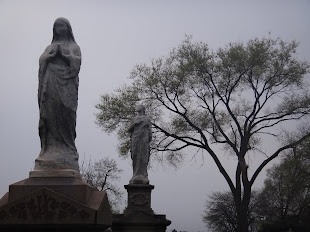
pixel 139 216
pixel 54 198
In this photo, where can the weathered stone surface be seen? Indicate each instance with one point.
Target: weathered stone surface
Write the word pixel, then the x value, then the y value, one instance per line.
pixel 140 137
pixel 55 198
pixel 55 173
pixel 58 98
pixel 45 206
pixel 139 216
pixel 73 188
pixel 40 202
pixel 139 199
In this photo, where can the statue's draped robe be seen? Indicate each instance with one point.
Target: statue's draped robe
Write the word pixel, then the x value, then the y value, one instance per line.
pixel 141 135
pixel 58 97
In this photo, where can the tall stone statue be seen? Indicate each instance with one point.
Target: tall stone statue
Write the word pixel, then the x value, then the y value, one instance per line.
pixel 59 66
pixel 141 135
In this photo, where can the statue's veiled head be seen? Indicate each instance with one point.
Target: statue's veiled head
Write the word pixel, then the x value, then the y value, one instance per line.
pixel 140 109
pixel 62 28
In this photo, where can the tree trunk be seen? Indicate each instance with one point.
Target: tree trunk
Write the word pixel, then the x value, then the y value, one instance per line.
pixel 242 211
pixel 242 218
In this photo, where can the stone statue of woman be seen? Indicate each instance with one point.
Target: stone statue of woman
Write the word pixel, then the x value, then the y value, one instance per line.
pixel 59 66
pixel 141 135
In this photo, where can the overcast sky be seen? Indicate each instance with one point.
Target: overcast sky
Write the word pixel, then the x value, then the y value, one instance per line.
pixel 113 37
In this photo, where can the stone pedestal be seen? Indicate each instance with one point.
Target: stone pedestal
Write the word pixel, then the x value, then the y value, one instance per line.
pixel 56 173
pixel 139 216
pixel 54 204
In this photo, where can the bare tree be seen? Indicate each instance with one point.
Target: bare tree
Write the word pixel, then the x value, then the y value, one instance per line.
pixel 103 175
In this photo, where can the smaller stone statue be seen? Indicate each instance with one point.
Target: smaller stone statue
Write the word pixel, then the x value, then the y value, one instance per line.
pixel 140 135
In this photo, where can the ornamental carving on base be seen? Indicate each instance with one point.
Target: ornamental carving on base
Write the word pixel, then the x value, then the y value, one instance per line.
pixel 43 206
pixel 139 199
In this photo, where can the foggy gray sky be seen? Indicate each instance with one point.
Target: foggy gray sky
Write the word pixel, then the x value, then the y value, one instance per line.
pixel 114 36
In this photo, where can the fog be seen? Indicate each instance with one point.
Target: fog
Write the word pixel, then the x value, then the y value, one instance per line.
pixel 114 36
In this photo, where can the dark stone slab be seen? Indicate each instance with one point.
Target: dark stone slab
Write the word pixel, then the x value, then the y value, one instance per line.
pixel 53 228
pixel 139 216
pixel 73 188
pixel 54 204
pixel 139 222
pixel 45 206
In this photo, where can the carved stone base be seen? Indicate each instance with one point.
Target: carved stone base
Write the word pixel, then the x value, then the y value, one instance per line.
pixel 139 216
pixel 54 204
pixel 139 199
pixel 55 173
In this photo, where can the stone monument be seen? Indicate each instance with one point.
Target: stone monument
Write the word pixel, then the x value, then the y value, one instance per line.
pixel 59 66
pixel 139 216
pixel 140 138
pixel 54 198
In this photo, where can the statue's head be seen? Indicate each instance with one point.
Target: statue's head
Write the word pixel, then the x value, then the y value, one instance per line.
pixel 141 109
pixel 62 27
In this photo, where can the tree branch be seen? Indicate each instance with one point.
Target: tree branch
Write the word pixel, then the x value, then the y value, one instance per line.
pixel 266 161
